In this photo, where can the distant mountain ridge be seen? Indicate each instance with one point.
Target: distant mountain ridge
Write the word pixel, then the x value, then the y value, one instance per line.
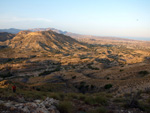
pixel 73 35
pixel 11 30
pixel 15 31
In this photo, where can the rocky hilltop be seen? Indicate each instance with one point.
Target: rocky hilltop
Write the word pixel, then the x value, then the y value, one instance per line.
pixel 44 41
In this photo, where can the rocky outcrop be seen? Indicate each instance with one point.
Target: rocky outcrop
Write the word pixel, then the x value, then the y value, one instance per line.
pixel 37 106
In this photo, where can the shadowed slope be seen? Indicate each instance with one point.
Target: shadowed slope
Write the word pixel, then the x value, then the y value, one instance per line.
pixel 6 36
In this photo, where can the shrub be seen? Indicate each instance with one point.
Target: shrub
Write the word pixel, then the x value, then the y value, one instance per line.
pixel 101 100
pixel 90 100
pixel 121 70
pixel 38 89
pixel 108 78
pixel 73 77
pixel 49 72
pixel 93 68
pixel 144 106
pixel 83 88
pixel 108 86
pixel 132 100
pixel 143 72
pixel 92 87
pixel 82 83
pixel 87 87
pixel 6 75
pixel 45 73
pixel 95 100
pixel 65 107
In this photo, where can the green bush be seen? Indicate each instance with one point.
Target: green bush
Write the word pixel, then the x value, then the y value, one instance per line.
pixel 108 78
pixel 38 89
pixel 144 106
pixel 45 73
pixel 90 100
pixel 82 83
pixel 143 72
pixel 108 86
pixel 82 87
pixel 65 107
pixel 121 70
pixel 132 100
pixel 6 75
pixel 92 87
pixel 73 77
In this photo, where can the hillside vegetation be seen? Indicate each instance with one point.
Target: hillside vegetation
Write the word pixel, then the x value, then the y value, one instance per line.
pixel 87 75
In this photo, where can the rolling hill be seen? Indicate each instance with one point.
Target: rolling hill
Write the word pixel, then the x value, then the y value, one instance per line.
pixel 44 41
pixel 88 72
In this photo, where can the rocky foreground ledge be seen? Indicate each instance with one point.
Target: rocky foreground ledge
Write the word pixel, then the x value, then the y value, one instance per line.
pixel 37 106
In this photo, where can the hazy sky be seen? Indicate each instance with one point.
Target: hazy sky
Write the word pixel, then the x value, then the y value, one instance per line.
pixel 125 18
